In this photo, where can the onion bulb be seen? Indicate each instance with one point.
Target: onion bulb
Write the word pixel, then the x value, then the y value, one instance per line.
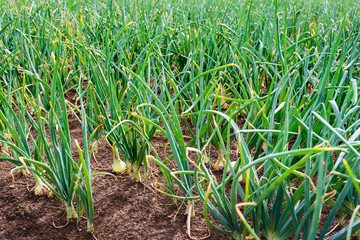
pixel 70 211
pixel 137 175
pixel 220 161
pixel 40 188
pixel 205 157
pixel 118 165
pixel 96 146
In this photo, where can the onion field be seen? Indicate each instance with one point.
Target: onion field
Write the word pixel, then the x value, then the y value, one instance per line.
pixel 239 119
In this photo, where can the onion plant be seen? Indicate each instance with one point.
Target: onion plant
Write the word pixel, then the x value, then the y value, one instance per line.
pixel 120 130
pixel 17 138
pixel 50 158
